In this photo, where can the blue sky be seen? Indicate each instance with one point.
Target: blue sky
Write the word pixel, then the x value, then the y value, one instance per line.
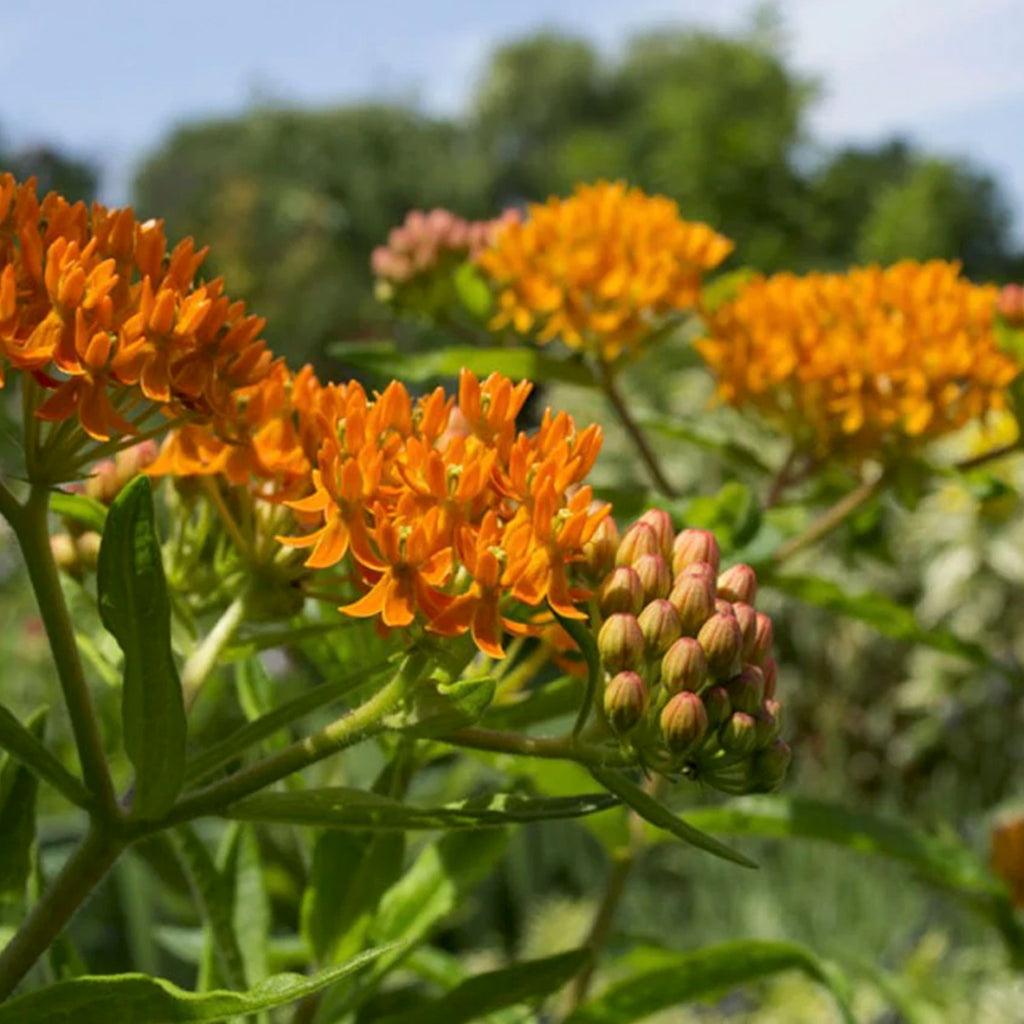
pixel 107 80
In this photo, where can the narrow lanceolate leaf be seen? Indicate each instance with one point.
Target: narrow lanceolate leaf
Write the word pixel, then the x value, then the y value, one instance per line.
pixel 588 648
pixel 135 608
pixel 683 977
pixel 474 998
pixel 657 814
pixel 18 788
pixel 140 999
pixel 878 611
pixel 80 508
pixel 941 862
pixel 22 744
pixel 341 807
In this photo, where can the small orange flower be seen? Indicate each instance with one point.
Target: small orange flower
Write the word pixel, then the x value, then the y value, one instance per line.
pixel 601 270
pixel 859 361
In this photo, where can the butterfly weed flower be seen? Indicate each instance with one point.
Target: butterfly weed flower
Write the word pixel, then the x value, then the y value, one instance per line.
pixel 114 336
pixel 864 363
pixel 600 270
pixel 453 521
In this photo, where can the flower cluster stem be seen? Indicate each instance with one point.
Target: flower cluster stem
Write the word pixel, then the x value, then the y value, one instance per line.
pixel 203 659
pixel 605 377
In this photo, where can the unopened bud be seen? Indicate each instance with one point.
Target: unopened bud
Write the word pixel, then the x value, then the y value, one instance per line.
pixel 88 545
pixel 770 671
pixel 65 553
pixel 746 691
pixel 104 482
pixel 621 591
pixel 763 638
pixel 659 624
pixel 695 546
pixel 738 583
pixel 683 721
pixel 694 602
pixel 661 523
pixel 684 666
pixel 768 723
pixel 721 639
pixel 638 540
pixel 620 642
pixel 134 460
pixel 724 607
pixel 739 735
pixel 655 576
pixel 599 551
pixel 625 699
pixel 717 705
pixel 747 618
pixel 770 765
pixel 702 570
pixel 1011 304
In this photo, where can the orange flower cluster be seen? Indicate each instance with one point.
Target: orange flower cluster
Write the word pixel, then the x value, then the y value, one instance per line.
pixel 859 361
pixel 450 515
pixel 103 317
pixel 600 270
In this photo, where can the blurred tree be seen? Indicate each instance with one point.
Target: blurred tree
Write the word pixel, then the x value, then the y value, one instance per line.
pixel 943 209
pixel 72 177
pixel 295 201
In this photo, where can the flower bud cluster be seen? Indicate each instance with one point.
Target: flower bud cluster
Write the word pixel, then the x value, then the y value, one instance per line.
pixel 1010 304
pixel 690 682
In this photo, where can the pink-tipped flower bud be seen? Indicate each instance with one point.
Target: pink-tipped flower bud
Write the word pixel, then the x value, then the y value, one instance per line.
pixel 1010 304
pixel 88 546
pixel 717 705
pixel 621 591
pixel 620 642
pixel 625 700
pixel 661 523
pixel 771 764
pixel 738 583
pixel 769 723
pixel 721 639
pixel 739 735
pixel 659 624
pixel 724 607
pixel 764 634
pixel 65 552
pixel 655 576
pixel 747 618
pixel 104 483
pixel 770 671
pixel 599 551
pixel 134 460
pixel 701 570
pixel 695 546
pixel 694 602
pixel 639 539
pixel 746 690
pixel 684 666
pixel 684 722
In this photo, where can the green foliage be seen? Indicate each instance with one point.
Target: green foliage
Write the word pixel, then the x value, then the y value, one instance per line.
pixel 18 788
pixel 135 608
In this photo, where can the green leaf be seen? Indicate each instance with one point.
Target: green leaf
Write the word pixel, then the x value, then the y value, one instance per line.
pixel 660 816
pixel 883 614
pixel 18 789
pixel 140 999
pixel 212 891
pixel 724 447
pixel 473 291
pixel 135 609
pixel 219 754
pixel 350 873
pixel 561 696
pixel 521 363
pixel 732 514
pixel 474 998
pixel 436 708
pixel 683 977
pixel 80 508
pixel 22 744
pixel 250 904
pixel 588 648
pixel 941 862
pixel 341 807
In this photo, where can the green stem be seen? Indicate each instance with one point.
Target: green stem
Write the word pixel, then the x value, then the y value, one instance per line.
pixel 562 748
pixel 31 528
pixel 605 377
pixel 359 724
pixel 203 659
pixel 79 876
